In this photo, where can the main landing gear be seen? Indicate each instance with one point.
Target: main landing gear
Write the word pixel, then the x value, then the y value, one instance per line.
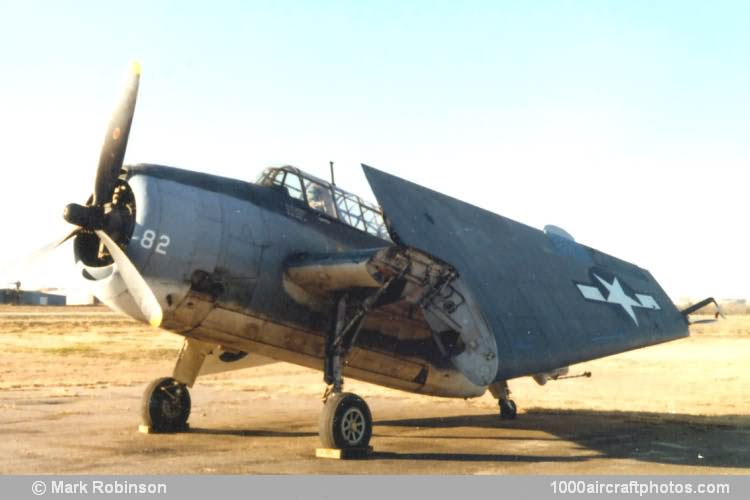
pixel 501 392
pixel 346 421
pixel 165 406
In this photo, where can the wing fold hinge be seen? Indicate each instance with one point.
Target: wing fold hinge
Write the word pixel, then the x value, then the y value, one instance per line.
pixel 377 277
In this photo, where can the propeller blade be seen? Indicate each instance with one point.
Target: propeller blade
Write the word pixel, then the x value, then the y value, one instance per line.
pixel 116 140
pixel 34 264
pixel 73 233
pixel 137 286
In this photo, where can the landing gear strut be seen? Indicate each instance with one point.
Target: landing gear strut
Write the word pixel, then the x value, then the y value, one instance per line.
pixel 346 421
pixel 165 406
pixel 501 392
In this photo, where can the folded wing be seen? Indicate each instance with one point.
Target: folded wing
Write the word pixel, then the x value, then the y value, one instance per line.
pixel 547 300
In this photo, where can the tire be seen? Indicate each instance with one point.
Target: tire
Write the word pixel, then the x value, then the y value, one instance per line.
pixel 345 422
pixel 166 405
pixel 508 409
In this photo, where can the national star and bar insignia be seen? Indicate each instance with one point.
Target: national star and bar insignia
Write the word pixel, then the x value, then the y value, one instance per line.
pixel 612 292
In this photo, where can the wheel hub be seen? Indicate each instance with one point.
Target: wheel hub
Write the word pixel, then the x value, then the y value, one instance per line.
pixel 353 426
pixel 170 405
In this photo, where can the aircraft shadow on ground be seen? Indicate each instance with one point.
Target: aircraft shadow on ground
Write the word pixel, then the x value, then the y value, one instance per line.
pixel 251 433
pixel 677 439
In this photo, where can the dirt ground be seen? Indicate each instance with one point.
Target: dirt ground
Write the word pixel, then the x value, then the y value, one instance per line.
pixel 71 380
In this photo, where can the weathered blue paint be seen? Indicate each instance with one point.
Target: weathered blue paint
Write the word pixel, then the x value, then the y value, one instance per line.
pixel 526 281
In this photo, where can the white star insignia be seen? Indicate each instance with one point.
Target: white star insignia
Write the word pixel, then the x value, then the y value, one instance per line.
pixel 616 295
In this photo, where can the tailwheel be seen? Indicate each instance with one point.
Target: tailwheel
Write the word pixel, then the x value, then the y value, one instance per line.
pixel 346 422
pixel 165 406
pixel 508 409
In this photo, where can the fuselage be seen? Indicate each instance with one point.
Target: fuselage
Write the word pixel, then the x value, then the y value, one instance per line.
pixel 214 251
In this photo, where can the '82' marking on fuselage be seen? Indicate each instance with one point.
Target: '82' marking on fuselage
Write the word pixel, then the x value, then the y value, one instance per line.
pixel 151 238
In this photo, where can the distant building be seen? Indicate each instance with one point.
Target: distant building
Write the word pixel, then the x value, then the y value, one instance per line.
pixel 35 298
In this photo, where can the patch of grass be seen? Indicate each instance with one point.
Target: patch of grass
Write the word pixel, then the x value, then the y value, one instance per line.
pixel 78 349
pixel 152 354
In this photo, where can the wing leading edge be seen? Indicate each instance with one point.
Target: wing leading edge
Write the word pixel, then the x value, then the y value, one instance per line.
pixel 548 301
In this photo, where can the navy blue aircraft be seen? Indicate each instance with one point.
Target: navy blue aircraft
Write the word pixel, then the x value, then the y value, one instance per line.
pixel 427 294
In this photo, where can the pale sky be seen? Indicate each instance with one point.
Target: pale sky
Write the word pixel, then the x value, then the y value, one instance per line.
pixel 626 123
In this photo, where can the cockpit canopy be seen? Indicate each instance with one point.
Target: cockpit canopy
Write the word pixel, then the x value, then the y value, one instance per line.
pixel 328 199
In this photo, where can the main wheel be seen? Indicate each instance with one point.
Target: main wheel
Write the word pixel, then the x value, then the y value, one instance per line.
pixel 166 405
pixel 508 409
pixel 345 422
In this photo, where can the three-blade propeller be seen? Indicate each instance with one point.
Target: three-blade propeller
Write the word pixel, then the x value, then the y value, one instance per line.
pixel 102 216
